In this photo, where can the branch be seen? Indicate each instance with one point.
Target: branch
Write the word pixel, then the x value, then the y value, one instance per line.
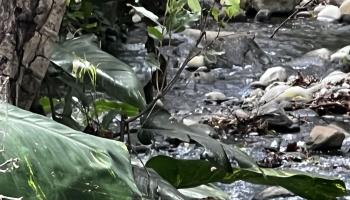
pixel 289 17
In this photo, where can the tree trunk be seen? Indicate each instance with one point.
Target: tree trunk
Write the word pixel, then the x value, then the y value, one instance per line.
pixel 27 30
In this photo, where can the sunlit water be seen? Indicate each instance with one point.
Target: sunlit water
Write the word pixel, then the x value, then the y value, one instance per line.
pixel 292 41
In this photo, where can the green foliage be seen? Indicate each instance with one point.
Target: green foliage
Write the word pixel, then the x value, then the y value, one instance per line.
pixel 104 105
pixel 231 7
pixel 113 77
pixel 195 6
pixel 191 173
pixel 159 122
pixel 52 161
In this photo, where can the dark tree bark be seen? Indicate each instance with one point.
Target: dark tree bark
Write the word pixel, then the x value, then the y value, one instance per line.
pixel 27 30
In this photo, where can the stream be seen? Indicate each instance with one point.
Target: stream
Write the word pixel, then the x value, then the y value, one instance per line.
pixel 186 100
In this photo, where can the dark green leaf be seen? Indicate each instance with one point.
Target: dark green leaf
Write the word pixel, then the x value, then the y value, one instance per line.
pixel 114 77
pixel 56 162
pixel 159 122
pixel 191 173
pixel 155 187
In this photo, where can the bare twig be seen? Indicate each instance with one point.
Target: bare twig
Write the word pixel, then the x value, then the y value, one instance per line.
pixel 289 17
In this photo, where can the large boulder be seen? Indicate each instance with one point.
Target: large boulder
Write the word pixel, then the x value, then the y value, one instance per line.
pixel 232 49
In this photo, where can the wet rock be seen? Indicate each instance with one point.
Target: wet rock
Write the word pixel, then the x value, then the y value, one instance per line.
pixel 235 49
pixel 280 123
pixel 340 54
pixel 304 14
pixel 273 93
pixel 334 78
pixel 196 62
pixel 215 96
pixel 345 7
pixel 345 19
pixel 263 15
pixel 203 77
pixel 295 93
pixel 329 14
pixel 271 75
pixel 275 6
pixel 325 138
pixel 272 192
pixel 319 8
pixel 323 53
pixel 241 114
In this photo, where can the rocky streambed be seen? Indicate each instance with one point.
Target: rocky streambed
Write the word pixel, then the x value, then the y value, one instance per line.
pixel 283 100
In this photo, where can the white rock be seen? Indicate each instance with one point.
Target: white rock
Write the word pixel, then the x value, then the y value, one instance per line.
pixel 334 78
pixel 196 61
pixel 341 53
pixel 345 7
pixel 271 75
pixel 215 96
pixel 323 53
pixel 295 93
pixel 329 14
pixel 319 8
pixel 273 93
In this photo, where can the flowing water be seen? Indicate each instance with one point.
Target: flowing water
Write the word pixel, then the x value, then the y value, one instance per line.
pixel 293 40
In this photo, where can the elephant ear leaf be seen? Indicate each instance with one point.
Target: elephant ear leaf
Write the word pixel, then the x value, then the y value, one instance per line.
pixel 47 160
pixel 83 59
pixel 192 173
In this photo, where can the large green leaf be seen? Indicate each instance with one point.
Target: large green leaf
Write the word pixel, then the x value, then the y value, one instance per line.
pixel 159 122
pixel 191 173
pixel 113 77
pixel 57 162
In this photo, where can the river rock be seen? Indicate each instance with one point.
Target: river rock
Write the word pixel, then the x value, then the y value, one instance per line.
pixel 271 75
pixel 345 19
pixel 275 6
pixel 273 93
pixel 323 53
pixel 295 93
pixel 304 14
pixel 329 14
pixel 235 49
pixel 272 192
pixel 196 62
pixel 215 96
pixel 263 16
pixel 334 78
pixel 340 54
pixel 319 8
pixel 345 7
pixel 325 138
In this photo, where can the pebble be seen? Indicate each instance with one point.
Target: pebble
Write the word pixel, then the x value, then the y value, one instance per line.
pixel 329 14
